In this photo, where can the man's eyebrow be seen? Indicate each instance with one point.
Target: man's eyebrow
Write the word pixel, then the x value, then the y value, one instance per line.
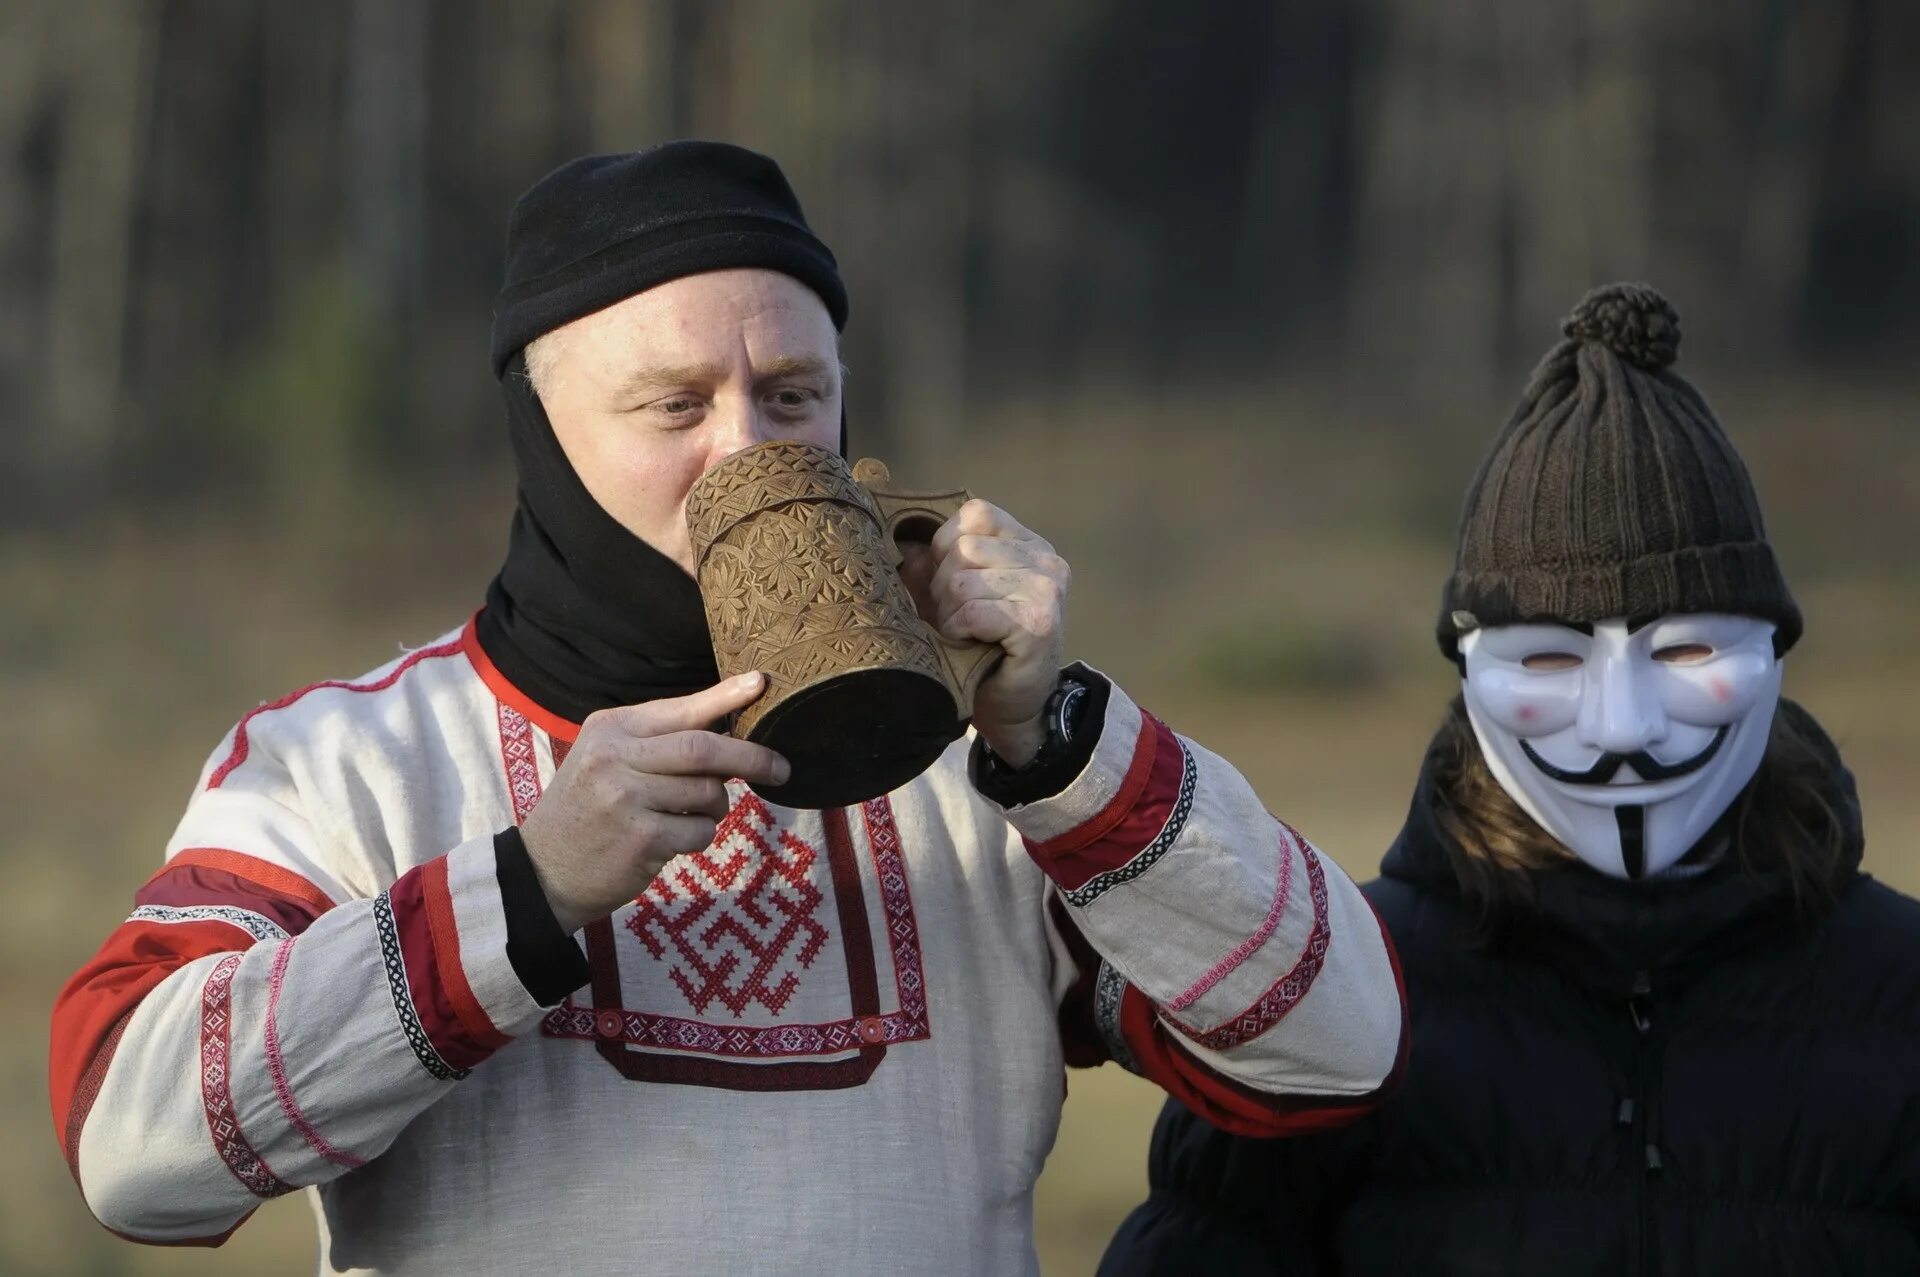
pixel 644 381
pixel 669 377
pixel 792 366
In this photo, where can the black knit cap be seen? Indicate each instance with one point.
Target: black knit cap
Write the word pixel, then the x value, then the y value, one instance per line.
pixel 1612 492
pixel 601 228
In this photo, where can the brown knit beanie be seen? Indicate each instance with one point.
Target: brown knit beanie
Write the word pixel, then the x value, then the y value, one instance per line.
pixel 1612 491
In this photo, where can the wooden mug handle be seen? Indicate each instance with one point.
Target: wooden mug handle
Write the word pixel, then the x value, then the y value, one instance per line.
pixel 916 516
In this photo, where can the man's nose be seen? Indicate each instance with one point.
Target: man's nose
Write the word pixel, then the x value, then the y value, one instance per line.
pixel 739 423
pixel 1619 712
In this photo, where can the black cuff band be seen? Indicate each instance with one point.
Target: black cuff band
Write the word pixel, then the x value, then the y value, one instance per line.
pixel 545 958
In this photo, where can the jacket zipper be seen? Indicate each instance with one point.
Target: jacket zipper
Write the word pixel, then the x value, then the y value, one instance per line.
pixel 1636 1112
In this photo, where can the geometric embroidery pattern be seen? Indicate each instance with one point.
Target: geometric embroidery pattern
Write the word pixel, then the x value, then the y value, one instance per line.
pixel 1109 988
pixel 896 899
pixel 402 993
pixel 516 754
pixel 737 923
pixel 1101 883
pixel 216 1093
pixel 1274 1004
pixel 256 925
pixel 909 1023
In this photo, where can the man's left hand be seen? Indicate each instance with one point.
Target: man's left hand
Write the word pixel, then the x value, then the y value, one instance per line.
pixel 987 577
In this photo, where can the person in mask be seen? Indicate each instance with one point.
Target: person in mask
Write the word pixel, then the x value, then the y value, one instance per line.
pixel 794 1041
pixel 1662 1023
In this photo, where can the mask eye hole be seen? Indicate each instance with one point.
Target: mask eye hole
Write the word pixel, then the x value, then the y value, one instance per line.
pixel 1683 653
pixel 1551 661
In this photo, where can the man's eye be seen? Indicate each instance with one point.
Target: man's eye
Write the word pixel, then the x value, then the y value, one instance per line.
pixel 792 397
pixel 677 405
pixel 1551 661
pixel 1683 653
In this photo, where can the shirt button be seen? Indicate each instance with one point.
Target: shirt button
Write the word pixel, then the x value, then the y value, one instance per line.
pixel 609 1024
pixel 871 1029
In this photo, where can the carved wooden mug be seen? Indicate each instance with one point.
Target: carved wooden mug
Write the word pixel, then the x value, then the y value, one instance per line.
pixel 798 562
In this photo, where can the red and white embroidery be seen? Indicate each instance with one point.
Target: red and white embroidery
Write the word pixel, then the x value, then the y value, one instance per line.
pixel 216 1028
pixel 737 923
pixel 1290 841
pixel 1286 992
pixel 903 933
pixel 909 1022
pixel 521 763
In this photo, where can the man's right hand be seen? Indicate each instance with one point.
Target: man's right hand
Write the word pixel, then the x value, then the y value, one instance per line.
pixel 643 784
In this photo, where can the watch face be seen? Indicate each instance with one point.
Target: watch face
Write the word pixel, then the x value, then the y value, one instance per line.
pixel 1068 697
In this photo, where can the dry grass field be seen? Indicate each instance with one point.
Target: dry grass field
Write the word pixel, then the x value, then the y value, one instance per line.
pixel 1268 590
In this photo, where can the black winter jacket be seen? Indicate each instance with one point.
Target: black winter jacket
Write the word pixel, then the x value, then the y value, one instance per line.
pixel 1671 1078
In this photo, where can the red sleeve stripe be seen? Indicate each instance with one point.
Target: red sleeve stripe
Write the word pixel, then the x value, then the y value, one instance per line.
pixel 1285 993
pixel 276 1066
pixel 93 1007
pixel 433 989
pixel 238 754
pixel 1141 834
pixel 216 1091
pixel 196 888
pixel 400 988
pixel 265 876
pixel 1228 1104
pixel 85 1092
pixel 1220 970
pixel 445 934
pixel 1131 833
pixel 1147 1048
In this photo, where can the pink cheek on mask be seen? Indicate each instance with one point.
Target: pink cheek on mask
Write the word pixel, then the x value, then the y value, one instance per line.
pixel 1527 714
pixel 1721 692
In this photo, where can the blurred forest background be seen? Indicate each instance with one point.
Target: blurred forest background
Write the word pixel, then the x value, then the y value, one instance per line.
pixel 1224 298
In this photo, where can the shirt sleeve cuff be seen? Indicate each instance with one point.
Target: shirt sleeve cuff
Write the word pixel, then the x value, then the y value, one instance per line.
pixel 546 959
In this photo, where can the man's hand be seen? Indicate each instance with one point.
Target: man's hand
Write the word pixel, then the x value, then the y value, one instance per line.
pixel 987 577
pixel 643 784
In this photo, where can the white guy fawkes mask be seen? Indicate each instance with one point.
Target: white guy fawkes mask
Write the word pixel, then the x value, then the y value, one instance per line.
pixel 1626 745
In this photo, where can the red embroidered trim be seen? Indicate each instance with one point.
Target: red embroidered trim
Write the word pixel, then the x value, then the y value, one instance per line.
pixel 896 899
pixel 277 1067
pixel 1286 992
pixel 223 1123
pixel 261 873
pixel 1145 747
pixel 1289 840
pixel 238 755
pixel 521 763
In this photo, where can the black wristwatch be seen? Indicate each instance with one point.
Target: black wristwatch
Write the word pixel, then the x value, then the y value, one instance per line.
pixel 1061 718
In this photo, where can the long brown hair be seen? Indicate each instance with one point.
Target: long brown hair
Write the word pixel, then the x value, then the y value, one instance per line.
pixel 1791 822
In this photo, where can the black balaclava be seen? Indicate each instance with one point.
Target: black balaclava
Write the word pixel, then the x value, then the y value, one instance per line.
pixel 584 615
